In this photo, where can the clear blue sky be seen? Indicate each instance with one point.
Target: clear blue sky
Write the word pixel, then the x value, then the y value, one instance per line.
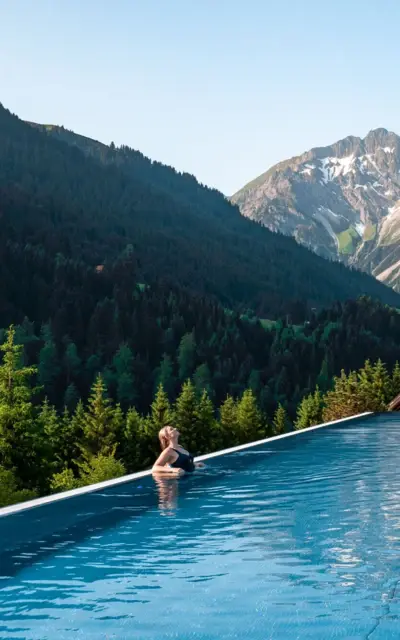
pixel 222 89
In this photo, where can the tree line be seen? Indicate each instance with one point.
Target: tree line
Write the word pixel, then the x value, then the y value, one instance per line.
pixel 44 450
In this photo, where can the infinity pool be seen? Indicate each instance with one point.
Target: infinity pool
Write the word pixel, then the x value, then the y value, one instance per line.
pixel 294 539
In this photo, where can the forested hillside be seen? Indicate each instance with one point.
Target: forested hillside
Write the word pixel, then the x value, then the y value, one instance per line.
pixel 129 297
pixel 42 450
pixel 66 201
pixel 76 322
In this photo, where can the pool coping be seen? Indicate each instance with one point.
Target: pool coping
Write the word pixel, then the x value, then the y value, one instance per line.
pixel 57 497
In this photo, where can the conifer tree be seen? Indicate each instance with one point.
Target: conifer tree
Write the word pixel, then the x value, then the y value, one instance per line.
pixel 395 382
pixel 49 366
pixel 161 412
pixel 205 424
pixel 185 416
pixel 310 410
pixel 344 399
pixel 147 443
pixel 131 450
pixel 71 430
pixel 101 468
pixel 249 418
pixel 324 378
pixel 381 387
pixel 10 491
pixel 18 445
pixel 202 380
pixel 165 376
pixel 49 440
pixel 228 432
pixel 186 356
pixel 71 397
pixel 280 422
pixel 72 362
pixel 99 428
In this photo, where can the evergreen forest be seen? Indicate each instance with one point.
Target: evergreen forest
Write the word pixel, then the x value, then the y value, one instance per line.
pixel 133 296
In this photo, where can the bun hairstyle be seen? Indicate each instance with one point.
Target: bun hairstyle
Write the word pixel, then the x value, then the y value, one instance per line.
pixel 164 437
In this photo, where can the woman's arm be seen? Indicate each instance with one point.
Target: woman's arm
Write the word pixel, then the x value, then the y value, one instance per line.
pixel 162 462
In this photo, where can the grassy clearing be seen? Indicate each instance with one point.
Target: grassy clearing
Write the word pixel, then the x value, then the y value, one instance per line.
pixel 347 240
pixel 370 232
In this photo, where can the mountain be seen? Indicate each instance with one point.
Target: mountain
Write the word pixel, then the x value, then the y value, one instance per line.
pixel 73 196
pixel 341 201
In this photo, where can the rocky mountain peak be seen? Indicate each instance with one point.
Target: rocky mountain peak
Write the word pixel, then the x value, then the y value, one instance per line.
pixel 342 201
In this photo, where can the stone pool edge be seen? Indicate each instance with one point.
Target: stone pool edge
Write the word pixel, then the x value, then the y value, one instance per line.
pixel 57 497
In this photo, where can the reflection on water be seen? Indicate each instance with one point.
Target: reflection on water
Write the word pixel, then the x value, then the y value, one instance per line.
pixel 168 491
pixel 300 545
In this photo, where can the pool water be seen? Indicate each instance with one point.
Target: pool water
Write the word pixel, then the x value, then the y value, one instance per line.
pixel 294 539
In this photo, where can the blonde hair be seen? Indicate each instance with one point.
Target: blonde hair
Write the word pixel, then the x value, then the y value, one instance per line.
pixel 164 437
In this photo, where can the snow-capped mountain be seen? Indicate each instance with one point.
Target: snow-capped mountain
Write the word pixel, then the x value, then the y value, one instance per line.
pixel 342 201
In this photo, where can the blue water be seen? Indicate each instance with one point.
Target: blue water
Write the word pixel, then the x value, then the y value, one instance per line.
pixel 296 539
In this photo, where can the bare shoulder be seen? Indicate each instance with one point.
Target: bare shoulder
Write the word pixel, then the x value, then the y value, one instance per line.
pixel 168 454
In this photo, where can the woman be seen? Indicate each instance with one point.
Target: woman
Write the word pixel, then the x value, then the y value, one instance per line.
pixel 174 458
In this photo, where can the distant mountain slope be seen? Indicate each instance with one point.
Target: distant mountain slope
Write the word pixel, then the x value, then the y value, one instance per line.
pixel 342 201
pixel 71 195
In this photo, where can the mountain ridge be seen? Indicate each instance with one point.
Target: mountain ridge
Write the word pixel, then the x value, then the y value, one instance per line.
pixel 88 201
pixel 342 201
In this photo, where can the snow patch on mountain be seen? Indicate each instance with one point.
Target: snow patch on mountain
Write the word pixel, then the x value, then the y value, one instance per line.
pixel 343 201
pixel 360 228
pixel 333 167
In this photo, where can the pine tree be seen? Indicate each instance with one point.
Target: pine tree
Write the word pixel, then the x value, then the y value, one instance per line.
pixel 186 356
pixel 49 366
pixel 71 397
pixel 254 382
pixel 164 376
pixel 92 367
pixel 205 424
pixel 161 412
pixel 310 410
pixel 324 378
pixel 147 443
pixel 280 422
pixel 202 380
pixel 249 418
pixel 50 432
pixel 395 383
pixel 72 362
pixel 100 468
pixel 344 399
pixel 131 446
pixel 228 432
pixel 76 424
pixel 381 387
pixel 364 385
pixel 185 416
pixel 71 430
pixel 99 429
pixel 10 491
pixel 18 442
pixel 64 480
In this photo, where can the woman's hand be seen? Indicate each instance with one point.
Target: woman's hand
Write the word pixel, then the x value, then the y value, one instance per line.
pixel 177 471
pixel 167 471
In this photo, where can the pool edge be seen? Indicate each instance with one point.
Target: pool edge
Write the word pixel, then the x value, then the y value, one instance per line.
pixel 57 497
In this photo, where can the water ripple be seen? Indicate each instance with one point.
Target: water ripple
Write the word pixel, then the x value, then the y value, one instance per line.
pixel 300 540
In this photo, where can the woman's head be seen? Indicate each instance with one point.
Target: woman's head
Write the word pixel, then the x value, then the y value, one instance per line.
pixel 167 435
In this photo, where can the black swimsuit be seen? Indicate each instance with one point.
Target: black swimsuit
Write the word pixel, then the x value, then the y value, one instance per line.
pixel 184 461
